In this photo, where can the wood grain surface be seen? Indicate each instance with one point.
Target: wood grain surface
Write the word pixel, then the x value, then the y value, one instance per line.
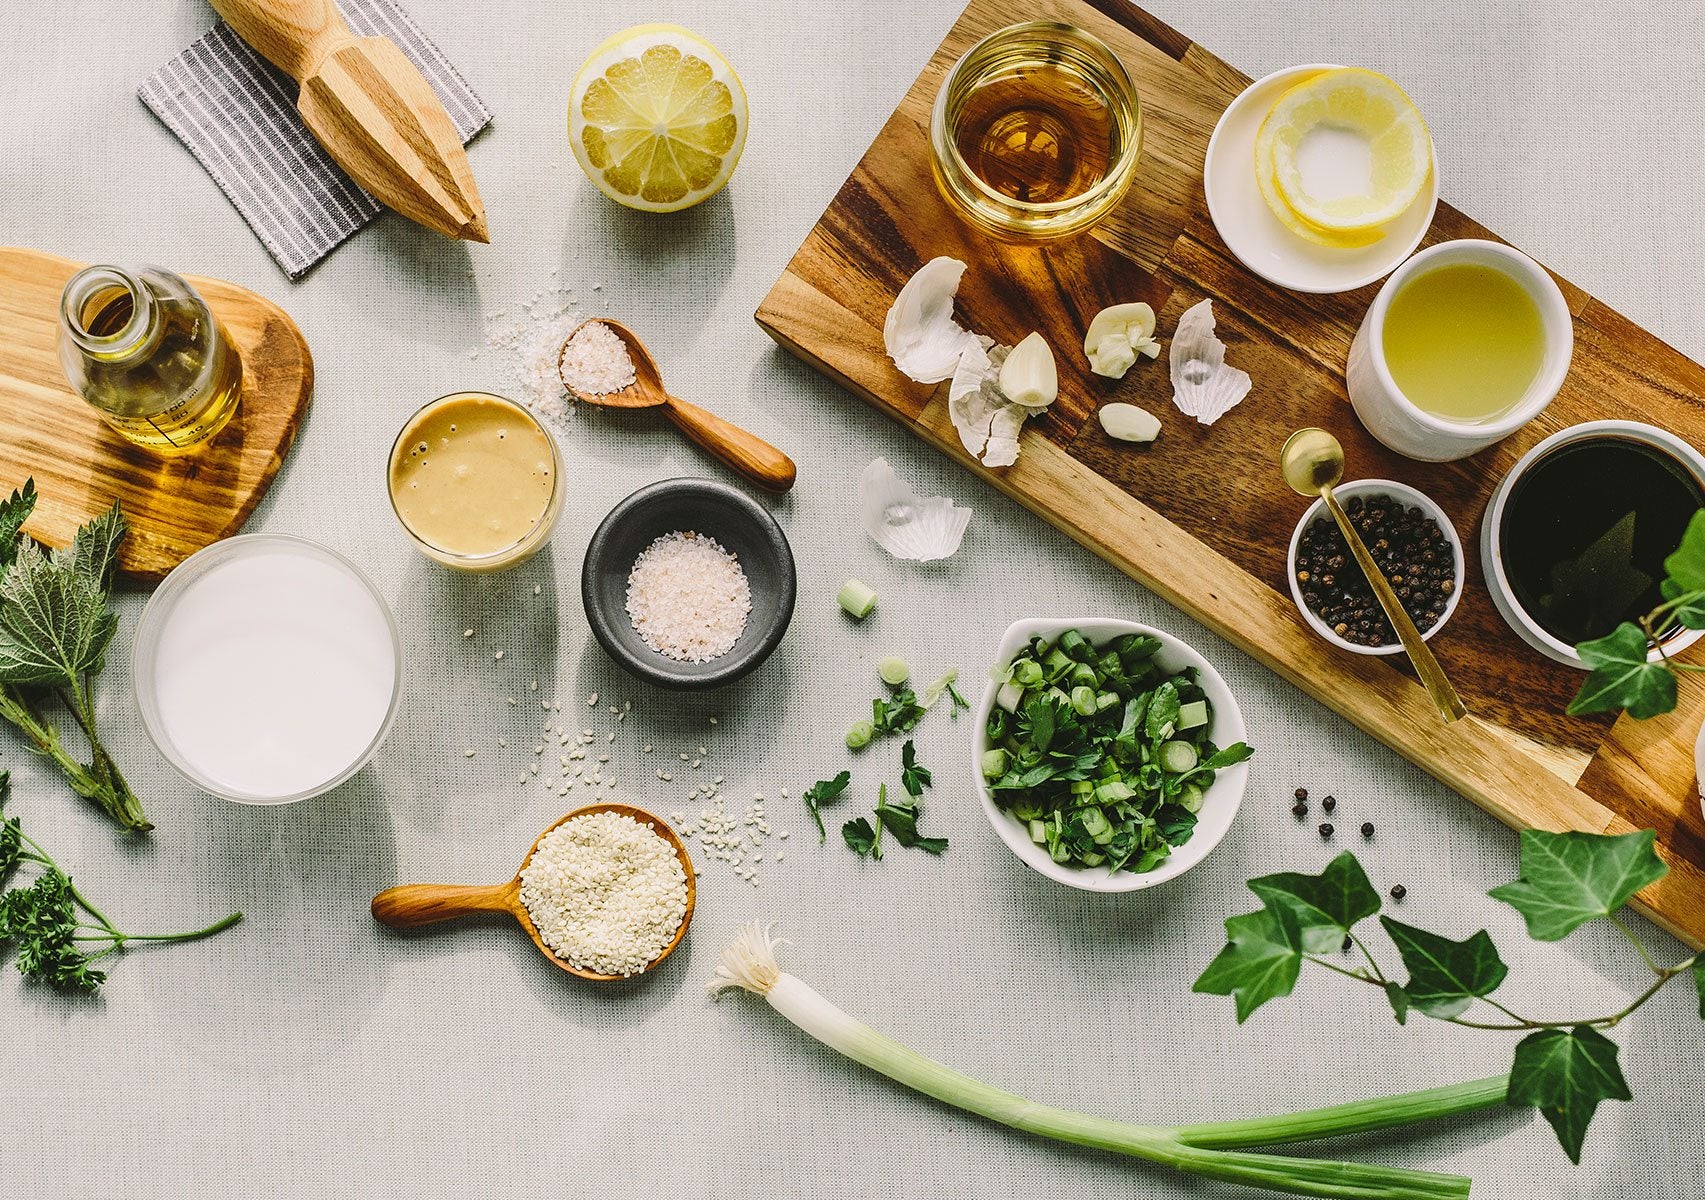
pixel 175 506
pixel 1202 517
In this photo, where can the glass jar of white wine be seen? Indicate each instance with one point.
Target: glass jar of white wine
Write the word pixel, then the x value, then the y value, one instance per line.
pixel 146 352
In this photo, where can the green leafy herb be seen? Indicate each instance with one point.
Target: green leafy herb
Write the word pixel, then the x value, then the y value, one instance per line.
pixel 823 792
pixel 862 838
pixel 1445 977
pixel 1568 879
pixel 57 934
pixel 912 777
pixel 1564 1073
pixel 900 818
pixel 1620 677
pixel 1565 1068
pixel 55 627
pixel 899 713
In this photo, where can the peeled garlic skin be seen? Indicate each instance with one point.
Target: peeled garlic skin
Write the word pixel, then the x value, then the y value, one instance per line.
pixel 1028 375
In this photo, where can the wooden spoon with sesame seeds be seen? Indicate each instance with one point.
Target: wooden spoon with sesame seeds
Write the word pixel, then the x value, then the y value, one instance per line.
pixel 415 904
pixel 746 453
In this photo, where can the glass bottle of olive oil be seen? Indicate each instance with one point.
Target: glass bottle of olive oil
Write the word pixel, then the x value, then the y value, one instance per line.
pixel 146 352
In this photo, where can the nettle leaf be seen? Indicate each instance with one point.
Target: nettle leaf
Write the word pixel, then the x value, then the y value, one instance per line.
pixel 54 623
pixel 1620 677
pixel 1446 976
pixel 1565 1073
pixel 1687 565
pixel 13 513
pixel 1326 905
pixel 1568 879
pixel 1692 612
pixel 93 554
pixel 1260 962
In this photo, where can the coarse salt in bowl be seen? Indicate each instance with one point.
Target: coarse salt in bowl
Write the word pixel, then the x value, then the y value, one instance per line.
pixel 1219 804
pixel 1412 498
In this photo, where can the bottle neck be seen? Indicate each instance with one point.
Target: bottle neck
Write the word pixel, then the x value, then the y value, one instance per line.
pixel 109 312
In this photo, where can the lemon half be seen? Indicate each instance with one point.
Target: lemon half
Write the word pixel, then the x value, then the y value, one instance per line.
pixel 1362 104
pixel 657 118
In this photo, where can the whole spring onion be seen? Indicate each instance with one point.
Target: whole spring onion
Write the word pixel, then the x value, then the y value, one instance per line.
pixel 1213 1150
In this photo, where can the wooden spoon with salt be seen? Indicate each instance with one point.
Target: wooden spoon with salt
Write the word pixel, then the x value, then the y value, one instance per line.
pixel 746 453
pixel 415 904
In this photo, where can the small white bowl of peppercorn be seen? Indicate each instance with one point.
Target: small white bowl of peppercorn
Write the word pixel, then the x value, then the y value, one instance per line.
pixel 1411 539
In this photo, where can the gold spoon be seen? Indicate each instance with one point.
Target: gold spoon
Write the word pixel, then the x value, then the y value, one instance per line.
pixel 415 904
pixel 1313 464
pixel 746 453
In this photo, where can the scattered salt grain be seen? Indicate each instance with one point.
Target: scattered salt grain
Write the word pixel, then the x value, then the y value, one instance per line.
pixel 688 598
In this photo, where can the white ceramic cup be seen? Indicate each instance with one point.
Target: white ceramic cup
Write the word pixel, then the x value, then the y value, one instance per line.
pixel 1398 423
pixel 1491 533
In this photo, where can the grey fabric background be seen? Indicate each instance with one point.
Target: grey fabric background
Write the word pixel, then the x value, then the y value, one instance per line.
pixel 310 1054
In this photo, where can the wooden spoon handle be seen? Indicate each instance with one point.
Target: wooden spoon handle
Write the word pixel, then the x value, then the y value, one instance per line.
pixel 747 453
pixel 426 903
pixel 293 35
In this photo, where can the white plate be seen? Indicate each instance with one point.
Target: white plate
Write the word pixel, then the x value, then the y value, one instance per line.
pixel 1251 231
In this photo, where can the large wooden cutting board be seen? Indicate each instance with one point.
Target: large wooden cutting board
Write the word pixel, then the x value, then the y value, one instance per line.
pixel 175 506
pixel 1203 518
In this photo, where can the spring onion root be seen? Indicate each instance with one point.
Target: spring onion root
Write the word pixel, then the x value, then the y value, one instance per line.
pixel 1210 1150
pixel 856 599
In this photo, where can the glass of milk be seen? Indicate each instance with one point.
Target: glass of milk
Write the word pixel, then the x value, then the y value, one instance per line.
pixel 267 669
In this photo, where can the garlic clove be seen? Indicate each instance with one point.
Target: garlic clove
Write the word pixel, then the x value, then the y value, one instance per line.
pixel 1128 423
pixel 1028 376
pixel 1117 335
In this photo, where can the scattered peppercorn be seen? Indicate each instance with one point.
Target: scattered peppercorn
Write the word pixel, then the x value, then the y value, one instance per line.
pixel 1326 830
pixel 1367 829
pixel 1348 942
pixel 1299 810
pixel 1408 547
pixel 1302 793
pixel 1329 803
pixel 1399 891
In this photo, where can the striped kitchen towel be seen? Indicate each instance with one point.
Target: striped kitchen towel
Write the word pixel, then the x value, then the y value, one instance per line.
pixel 237 114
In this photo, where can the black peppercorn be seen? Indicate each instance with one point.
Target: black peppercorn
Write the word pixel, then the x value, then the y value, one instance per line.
pixel 1329 803
pixel 1409 548
pixel 1367 829
pixel 1348 942
pixel 1299 810
pixel 1399 891
pixel 1302 793
pixel 1326 830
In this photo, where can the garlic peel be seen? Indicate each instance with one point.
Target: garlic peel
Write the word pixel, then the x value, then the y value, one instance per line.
pixel 1028 377
pixel 919 331
pixel 1203 386
pixel 905 524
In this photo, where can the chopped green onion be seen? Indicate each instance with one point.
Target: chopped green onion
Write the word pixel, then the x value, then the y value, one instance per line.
pixel 893 671
pixel 858 737
pixel 995 763
pixel 856 599
pixel 1083 700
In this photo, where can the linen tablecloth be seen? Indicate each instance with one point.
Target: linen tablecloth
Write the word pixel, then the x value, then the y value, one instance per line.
pixel 308 1053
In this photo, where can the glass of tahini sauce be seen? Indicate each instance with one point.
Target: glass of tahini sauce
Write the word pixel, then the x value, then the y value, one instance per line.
pixel 476 481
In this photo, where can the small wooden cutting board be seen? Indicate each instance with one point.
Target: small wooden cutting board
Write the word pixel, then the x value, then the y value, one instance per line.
pixel 175 506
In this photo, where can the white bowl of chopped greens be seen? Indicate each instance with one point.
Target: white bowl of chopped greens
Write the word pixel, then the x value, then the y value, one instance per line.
pixel 1111 755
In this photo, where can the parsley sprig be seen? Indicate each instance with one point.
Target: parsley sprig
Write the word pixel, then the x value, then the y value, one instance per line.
pixel 55 626
pixel 58 934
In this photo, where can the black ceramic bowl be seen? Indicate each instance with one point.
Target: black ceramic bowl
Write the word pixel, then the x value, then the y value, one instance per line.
pixel 745 529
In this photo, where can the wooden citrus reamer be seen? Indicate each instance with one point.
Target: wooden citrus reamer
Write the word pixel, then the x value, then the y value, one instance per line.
pixel 371 108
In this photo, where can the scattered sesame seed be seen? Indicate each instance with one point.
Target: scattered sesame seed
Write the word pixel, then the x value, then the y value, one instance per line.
pixel 648 750
pixel 592 700
pixel 467 754
pixel 498 657
pixel 537 589
pixel 467 633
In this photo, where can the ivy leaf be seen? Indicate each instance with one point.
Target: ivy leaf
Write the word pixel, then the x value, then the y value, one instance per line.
pixel 13 513
pixel 1568 879
pixel 1622 678
pixel 1326 905
pixel 1690 614
pixel 1687 565
pixel 1260 962
pixel 821 793
pixel 1565 1073
pixel 1399 1001
pixel 1446 976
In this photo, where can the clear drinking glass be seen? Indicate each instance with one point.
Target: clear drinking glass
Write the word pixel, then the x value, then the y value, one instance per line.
pixel 1036 132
